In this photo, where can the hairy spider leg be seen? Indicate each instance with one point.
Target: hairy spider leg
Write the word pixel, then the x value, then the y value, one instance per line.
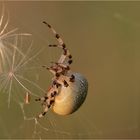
pixel 48 99
pixel 66 53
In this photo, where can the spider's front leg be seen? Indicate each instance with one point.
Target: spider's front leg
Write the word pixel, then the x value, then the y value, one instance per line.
pixel 66 54
pixel 65 57
pixel 61 76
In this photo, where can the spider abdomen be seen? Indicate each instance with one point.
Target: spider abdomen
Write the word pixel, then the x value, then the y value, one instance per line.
pixel 71 98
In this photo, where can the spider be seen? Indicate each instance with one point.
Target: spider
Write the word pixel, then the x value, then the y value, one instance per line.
pixel 68 89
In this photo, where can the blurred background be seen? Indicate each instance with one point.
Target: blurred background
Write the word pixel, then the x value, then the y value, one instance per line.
pixel 104 39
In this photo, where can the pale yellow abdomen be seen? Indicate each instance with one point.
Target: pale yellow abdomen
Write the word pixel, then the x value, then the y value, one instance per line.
pixel 71 98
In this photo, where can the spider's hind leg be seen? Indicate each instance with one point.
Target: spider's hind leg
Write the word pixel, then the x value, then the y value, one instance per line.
pixel 48 99
pixel 46 108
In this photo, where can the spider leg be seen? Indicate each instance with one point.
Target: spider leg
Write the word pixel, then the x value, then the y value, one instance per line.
pixel 62 65
pixel 51 101
pixel 48 100
pixel 65 68
pixel 43 113
pixel 42 99
pixel 66 53
pixel 61 73
pixel 60 41
pixel 48 104
pixel 58 69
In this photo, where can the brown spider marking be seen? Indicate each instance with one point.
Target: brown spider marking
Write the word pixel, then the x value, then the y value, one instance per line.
pixel 60 71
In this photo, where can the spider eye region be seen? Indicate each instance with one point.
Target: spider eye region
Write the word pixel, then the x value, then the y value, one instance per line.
pixel 72 97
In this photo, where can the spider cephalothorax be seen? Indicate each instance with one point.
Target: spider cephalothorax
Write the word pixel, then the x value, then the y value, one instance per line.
pixel 68 89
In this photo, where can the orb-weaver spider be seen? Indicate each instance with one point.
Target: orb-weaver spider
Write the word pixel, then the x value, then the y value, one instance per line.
pixel 68 89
